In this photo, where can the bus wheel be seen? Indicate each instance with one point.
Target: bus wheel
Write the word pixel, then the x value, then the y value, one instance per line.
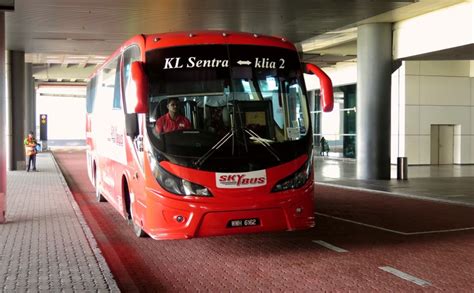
pixel 137 229
pixel 98 195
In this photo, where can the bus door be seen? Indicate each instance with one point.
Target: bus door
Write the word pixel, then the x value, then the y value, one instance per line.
pixel 134 138
pixel 109 125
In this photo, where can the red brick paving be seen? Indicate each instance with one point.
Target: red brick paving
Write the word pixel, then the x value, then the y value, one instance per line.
pixel 289 261
pixel 395 213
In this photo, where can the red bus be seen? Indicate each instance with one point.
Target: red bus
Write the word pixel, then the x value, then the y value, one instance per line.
pixel 204 133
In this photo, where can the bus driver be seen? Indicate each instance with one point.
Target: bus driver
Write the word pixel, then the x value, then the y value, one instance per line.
pixel 172 120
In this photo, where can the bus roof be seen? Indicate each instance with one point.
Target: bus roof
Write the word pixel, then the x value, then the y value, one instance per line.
pixel 213 37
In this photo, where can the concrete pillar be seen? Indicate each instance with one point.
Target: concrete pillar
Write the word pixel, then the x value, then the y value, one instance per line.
pixel 3 123
pixel 30 95
pixel 8 95
pixel 374 63
pixel 18 109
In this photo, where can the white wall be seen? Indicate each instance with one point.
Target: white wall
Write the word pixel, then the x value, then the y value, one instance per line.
pixel 442 29
pixel 436 92
pixel 397 124
pixel 66 110
pixel 343 73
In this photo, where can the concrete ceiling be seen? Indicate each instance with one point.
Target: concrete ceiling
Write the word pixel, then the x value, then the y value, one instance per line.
pixel 99 26
pixel 75 34
pixel 459 53
pixel 340 45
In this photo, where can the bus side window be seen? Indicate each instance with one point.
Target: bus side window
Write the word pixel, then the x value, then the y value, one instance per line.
pixel 91 90
pixel 117 104
pixel 107 86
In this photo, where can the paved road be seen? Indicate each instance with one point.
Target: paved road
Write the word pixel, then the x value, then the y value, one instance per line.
pixel 362 242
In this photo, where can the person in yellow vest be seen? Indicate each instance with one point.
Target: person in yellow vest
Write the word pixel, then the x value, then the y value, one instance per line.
pixel 30 151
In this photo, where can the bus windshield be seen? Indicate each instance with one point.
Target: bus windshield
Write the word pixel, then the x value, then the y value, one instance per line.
pixel 227 107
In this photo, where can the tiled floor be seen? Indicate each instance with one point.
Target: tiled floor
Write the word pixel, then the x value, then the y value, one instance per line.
pixel 45 245
pixel 448 183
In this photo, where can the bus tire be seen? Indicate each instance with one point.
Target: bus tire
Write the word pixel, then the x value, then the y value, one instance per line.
pixel 98 195
pixel 137 229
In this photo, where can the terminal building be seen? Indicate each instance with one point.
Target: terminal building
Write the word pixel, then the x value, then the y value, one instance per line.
pixel 431 88
pixel 403 82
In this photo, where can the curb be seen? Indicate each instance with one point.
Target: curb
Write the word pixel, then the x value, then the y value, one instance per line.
pixel 109 278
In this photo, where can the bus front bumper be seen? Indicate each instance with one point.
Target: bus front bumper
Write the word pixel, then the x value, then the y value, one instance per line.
pixel 176 219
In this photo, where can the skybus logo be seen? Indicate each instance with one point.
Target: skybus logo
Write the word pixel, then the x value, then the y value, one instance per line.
pixel 241 180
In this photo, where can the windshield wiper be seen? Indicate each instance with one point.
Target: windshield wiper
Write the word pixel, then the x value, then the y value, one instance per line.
pixel 198 163
pixel 263 142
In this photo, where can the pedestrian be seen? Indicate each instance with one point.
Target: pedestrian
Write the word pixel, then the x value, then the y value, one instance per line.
pixel 322 144
pixel 323 147
pixel 326 148
pixel 30 152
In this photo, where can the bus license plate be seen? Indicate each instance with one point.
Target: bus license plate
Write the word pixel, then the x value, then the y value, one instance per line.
pixel 243 223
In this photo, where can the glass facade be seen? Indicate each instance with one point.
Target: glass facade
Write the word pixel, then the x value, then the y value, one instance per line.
pixel 338 128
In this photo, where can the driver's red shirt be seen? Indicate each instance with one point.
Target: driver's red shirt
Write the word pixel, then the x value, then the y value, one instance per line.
pixel 166 124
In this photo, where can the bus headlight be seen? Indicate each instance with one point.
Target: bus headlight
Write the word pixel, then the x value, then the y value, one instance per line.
pixel 297 179
pixel 179 186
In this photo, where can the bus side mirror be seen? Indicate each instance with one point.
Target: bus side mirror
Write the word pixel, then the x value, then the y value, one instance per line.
pixel 136 96
pixel 327 95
